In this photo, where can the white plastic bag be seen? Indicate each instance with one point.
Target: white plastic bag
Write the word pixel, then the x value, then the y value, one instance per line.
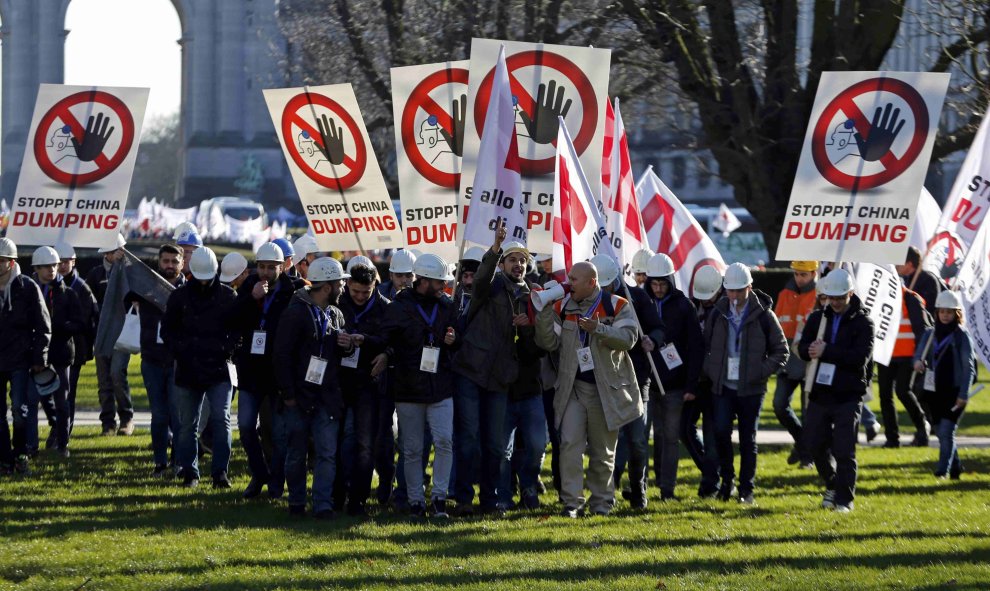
pixel 129 340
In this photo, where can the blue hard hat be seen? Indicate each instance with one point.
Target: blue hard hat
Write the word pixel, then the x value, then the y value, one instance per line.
pixel 189 238
pixel 286 247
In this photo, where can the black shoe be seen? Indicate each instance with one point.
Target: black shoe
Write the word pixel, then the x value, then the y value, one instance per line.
pixel 357 510
pixel 63 453
pixel 417 510
pixel 955 472
pixel 297 510
pixel 160 471
pixel 627 494
pixel 569 512
pixel 253 489
pixel 6 469
pixel 668 496
pixel 794 457
pixel 110 430
pixel 707 493
pixel 892 444
pixel 920 440
pixel 190 482
pixel 439 507
pixel 50 442
pixel 871 433
pixel 221 481
pixel 464 510
pixel 22 465
pixel 746 499
pixel 498 510
pixel 530 501
pixel 540 487
pixel 726 492
pixel 325 515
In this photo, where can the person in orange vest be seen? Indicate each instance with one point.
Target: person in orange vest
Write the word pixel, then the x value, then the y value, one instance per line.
pixel 794 303
pixel 915 320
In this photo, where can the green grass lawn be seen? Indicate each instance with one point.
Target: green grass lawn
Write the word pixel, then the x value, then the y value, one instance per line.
pixel 99 519
pixel 976 421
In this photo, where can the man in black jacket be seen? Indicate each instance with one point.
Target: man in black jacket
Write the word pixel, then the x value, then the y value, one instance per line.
pixel 111 371
pixel 261 301
pixel 158 365
pixel 844 353
pixel 25 331
pixel 83 340
pixel 197 329
pixel 921 281
pixel 486 366
pixel 309 345
pixel 361 380
pixel 66 318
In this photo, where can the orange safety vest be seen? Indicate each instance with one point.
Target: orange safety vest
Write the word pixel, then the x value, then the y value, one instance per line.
pixel 793 308
pixel 618 303
pixel 905 345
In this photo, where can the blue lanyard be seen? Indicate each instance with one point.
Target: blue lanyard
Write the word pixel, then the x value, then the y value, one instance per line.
pixel 835 327
pixel 659 304
pixel 75 281
pixel 941 348
pixel 367 306
pixel 322 320
pixel 429 320
pixel 268 304
pixel 737 325
pixel 591 312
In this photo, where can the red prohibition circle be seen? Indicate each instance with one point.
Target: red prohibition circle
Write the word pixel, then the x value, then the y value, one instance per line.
pixel 586 92
pixel 891 170
pixel 420 99
pixel 290 117
pixel 105 164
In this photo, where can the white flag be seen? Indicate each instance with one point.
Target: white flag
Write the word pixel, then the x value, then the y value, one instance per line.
pixel 726 221
pixel 972 283
pixel 964 209
pixel 495 190
pixel 623 219
pixel 672 230
pixel 879 288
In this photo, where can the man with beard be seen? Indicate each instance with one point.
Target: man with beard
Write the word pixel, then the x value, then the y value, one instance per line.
pixel 400 271
pixel 465 282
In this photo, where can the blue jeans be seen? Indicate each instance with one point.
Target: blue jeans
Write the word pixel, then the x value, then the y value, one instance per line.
pixel 356 451
pixel 299 427
pixel 57 404
pixel 868 418
pixel 479 434
pixel 159 381
pixel 114 391
pixel 189 403
pixel 414 418
pixel 948 455
pixel 526 423
pixel 666 434
pixel 19 381
pixel 729 406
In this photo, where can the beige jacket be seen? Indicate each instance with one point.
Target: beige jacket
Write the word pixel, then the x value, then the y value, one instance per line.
pixel 610 345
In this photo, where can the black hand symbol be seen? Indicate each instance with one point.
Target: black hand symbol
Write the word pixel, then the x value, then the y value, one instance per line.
pixel 458 112
pixel 94 139
pixel 333 140
pixel 881 136
pixel 543 126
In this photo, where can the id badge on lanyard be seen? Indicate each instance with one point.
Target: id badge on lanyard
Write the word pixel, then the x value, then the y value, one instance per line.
pixel 732 370
pixel 929 380
pixel 826 373
pixel 430 360
pixel 671 357
pixel 258 340
pixel 352 359
pixel 585 361
pixel 317 370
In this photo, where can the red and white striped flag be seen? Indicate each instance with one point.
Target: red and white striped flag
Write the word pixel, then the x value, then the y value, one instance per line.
pixel 619 203
pixel 671 229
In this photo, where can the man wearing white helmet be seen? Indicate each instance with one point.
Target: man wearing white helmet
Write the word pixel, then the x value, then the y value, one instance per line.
pixel 745 346
pixel 306 252
pixel 66 318
pixel 83 340
pixel 261 301
pixel 25 331
pixel 111 371
pixel 465 281
pixel 419 327
pixel 234 270
pixel 309 346
pixel 400 271
pixel 639 263
pixel 487 365
pixel 845 369
pixel 198 330
pixel 590 333
pixel 678 350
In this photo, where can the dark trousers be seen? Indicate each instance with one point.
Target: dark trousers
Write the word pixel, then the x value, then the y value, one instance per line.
pixel 384 449
pixel 74 371
pixel 554 437
pixel 355 451
pixel 830 432
pixel 701 448
pixel 729 406
pixel 894 379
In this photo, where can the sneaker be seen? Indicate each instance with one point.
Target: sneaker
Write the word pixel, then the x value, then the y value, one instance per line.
pixel 275 492
pixel 747 499
pixel 463 510
pixel 496 510
pixel 160 471
pixel 253 489
pixel 954 473
pixel 828 499
pixel 871 432
pixel 439 507
pixel 126 429
pixel 297 510
pixel 221 481
pixel 844 508
pixel 668 496
pixel 920 440
pixel 941 475
pixel 726 492
pixel 569 512
pixel 22 465
pixel 601 512
pixel 794 457
pixel 109 430
pixel 50 442
pixel 190 482
pixel 807 466
pixel 417 510
pixel 540 487
pixel 325 515
pixel 400 505
pixel 63 453
pixel 892 444
pixel 530 500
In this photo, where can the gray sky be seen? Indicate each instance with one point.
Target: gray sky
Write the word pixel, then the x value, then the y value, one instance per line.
pixel 126 43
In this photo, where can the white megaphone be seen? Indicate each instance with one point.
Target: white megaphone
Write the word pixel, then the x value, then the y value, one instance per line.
pixel 551 292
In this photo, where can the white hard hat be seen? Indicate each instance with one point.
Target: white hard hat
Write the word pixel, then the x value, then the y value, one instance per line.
pixel 838 283
pixel 402 262
pixel 65 250
pixel 543 257
pixel 659 265
pixel 184 228
pixel 608 269
pixel 359 261
pixel 44 255
pixel 7 248
pixel 203 264
pixel 707 281
pixel 326 269
pixel 511 247
pixel 949 300
pixel 641 259
pixel 737 276
pixel 118 242
pixel 432 267
pixel 189 237
pixel 475 253
pixel 232 266
pixel 269 252
pixel 303 246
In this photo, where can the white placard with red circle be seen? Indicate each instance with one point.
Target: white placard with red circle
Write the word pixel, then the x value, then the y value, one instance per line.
pixel 78 161
pixel 334 167
pixel 863 163
pixel 429 166
pixel 582 72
